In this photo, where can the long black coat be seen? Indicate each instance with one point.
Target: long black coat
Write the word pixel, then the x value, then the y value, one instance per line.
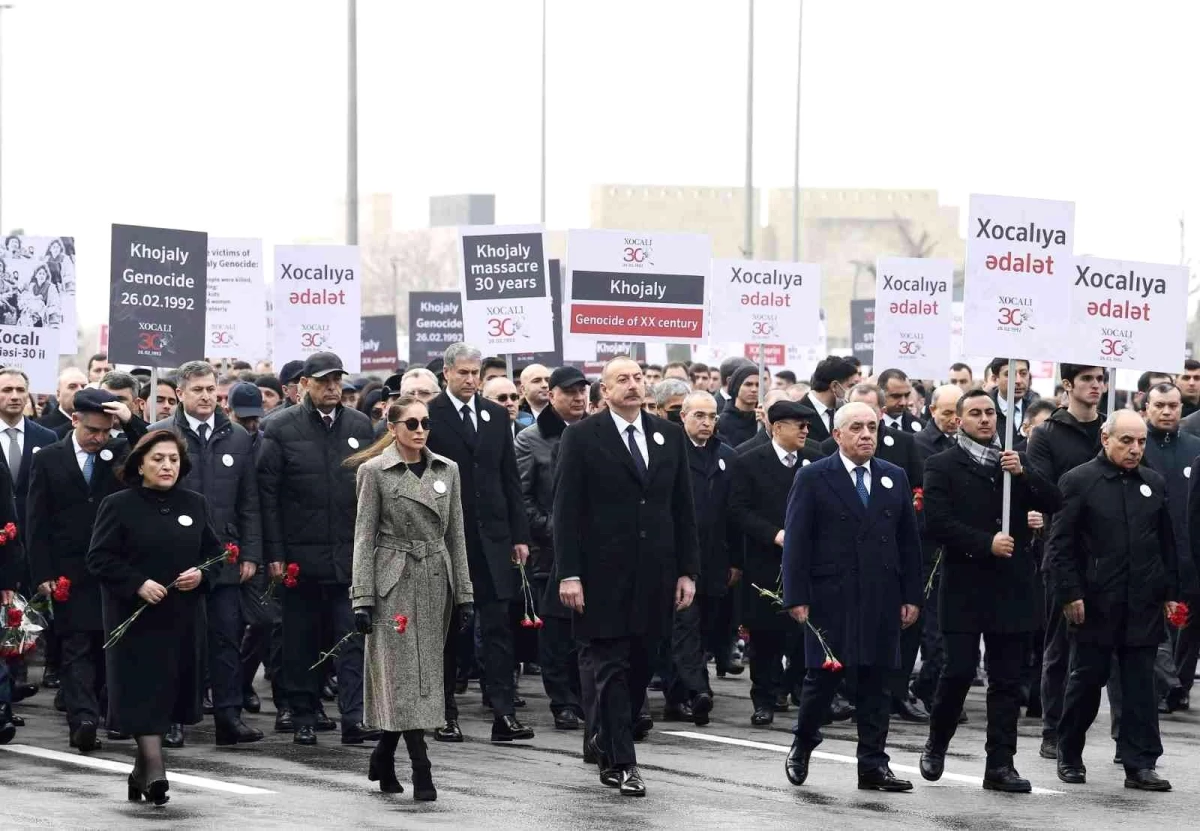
pixel 1172 456
pixel 224 470
pixel 493 511
pixel 981 592
pixel 628 539
pixel 60 511
pixel 931 440
pixel 893 446
pixel 154 671
pixel 1112 545
pixel 712 477
pixel 758 498
pixel 12 553
pixel 306 495
pixel 536 449
pixel 853 566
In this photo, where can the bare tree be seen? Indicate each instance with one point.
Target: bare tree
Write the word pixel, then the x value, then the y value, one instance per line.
pixel 917 247
pixel 397 263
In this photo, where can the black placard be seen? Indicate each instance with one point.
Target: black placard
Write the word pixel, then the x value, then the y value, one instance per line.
pixel 862 330
pixel 503 266
pixel 379 350
pixel 620 287
pixel 434 322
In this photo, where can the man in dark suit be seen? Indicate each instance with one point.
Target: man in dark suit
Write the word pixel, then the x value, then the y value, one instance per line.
pixel 938 434
pixel 897 392
pixel 852 571
pixel 67 482
pixel 477 435
pixel 998 372
pixel 830 382
pixel 990 581
pixel 502 391
pixel 627 552
pixel 70 381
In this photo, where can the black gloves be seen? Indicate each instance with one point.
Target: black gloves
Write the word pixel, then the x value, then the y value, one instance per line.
pixel 362 620
pixel 465 612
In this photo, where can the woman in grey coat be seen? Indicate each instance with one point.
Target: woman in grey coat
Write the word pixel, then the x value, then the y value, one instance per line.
pixel 410 560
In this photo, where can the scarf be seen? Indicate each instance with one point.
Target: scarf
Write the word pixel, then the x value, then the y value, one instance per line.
pixel 987 455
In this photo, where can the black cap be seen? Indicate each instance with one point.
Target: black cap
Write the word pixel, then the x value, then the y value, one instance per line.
pixel 90 400
pixel 320 364
pixel 567 376
pixel 245 399
pixel 140 372
pixel 392 384
pixel 269 382
pixel 436 365
pixel 789 411
pixel 290 373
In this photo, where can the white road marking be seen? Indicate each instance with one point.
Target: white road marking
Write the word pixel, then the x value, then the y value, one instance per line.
pixel 958 778
pixel 122 767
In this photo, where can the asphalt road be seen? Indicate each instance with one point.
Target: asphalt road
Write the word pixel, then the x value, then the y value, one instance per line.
pixel 724 775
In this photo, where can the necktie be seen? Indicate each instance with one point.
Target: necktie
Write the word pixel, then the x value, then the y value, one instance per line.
pixel 203 429
pixel 468 424
pixel 860 485
pixel 790 460
pixel 636 451
pixel 829 418
pixel 89 464
pixel 328 419
pixel 14 452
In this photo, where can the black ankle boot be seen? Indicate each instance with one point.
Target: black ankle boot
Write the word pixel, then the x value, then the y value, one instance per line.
pixel 423 789
pixel 383 765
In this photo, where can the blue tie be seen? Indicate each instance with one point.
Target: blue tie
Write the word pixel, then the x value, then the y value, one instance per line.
pixel 89 464
pixel 860 485
pixel 636 451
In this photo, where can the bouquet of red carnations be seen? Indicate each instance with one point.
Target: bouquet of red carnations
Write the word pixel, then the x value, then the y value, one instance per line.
pixel 22 626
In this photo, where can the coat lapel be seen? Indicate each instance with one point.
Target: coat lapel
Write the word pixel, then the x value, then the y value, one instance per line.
pixel 654 450
pixel 452 415
pixel 838 479
pixel 407 486
pixel 881 494
pixel 615 443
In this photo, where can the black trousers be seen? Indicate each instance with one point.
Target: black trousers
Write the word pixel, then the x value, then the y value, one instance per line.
pixel 1166 678
pixel 1056 659
pixel 874 706
pixel 685 675
pixel 1005 656
pixel 316 615
pixel 498 660
pixel 1139 743
pixel 933 653
pixel 224 607
pixel 910 643
pixel 587 691
pixel 1187 651
pixel 559 659
pixel 262 646
pixel 717 628
pixel 81 673
pixel 621 667
pixel 767 648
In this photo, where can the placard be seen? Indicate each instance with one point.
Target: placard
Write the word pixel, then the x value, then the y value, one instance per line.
pixel 757 301
pixel 862 330
pixel 318 302
pixel 1127 314
pixel 158 294
pixel 554 357
pixel 1018 277
pixel 379 351
pixel 236 289
pixel 914 316
pixel 434 322
pixel 505 291
pixel 638 285
pixel 37 286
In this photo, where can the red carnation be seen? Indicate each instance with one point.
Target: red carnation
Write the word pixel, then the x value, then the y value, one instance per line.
pixel 827 664
pixel 14 617
pixel 537 622
pixel 401 624
pixel 3 537
pixel 293 570
pixel 837 665
pixel 232 552
pixel 527 623
pixel 11 530
pixel 918 499
pixel 62 590
pixel 1179 617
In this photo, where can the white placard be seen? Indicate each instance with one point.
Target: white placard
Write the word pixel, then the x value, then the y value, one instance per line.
pixel 37 287
pixel 1127 314
pixel 639 285
pixel 914 315
pixel 318 302
pixel 757 301
pixel 235 294
pixel 1018 276
pixel 33 349
pixel 505 289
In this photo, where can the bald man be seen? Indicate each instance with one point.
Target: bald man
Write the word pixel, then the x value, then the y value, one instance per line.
pixel 938 434
pixel 70 381
pixel 535 391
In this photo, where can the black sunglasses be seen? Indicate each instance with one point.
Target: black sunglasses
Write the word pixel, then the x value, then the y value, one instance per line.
pixel 505 397
pixel 414 423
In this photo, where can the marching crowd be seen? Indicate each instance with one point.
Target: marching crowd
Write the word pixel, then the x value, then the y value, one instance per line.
pixel 382 542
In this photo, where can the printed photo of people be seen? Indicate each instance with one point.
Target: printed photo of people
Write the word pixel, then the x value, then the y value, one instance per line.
pixel 37 280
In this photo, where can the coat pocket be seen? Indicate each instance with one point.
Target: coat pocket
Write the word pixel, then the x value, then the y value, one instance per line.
pixel 389 568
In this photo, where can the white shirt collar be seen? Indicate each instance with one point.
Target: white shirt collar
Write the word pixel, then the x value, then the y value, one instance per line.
pixel 850 466
pixel 458 404
pixel 818 404
pixel 19 426
pixel 782 454
pixel 75 444
pixel 1002 404
pixel 195 423
pixel 623 425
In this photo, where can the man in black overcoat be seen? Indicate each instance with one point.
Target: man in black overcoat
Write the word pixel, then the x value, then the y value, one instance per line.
pixel 989 584
pixel 627 552
pixel 477 435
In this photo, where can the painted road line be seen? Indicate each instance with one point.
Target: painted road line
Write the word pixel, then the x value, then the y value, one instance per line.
pixel 122 767
pixel 957 778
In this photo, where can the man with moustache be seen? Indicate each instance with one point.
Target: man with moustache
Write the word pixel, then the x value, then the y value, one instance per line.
pixel 852 571
pixel 626 553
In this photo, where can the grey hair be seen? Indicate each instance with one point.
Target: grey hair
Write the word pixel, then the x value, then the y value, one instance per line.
pixel 1110 423
pixel 849 411
pixel 15 370
pixel 456 352
pixel 669 388
pixel 117 380
pixel 692 397
pixel 943 390
pixel 194 369
pixel 419 372
pixel 867 389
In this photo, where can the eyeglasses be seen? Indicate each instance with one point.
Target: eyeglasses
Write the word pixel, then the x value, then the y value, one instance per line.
pixel 703 416
pixel 505 397
pixel 414 423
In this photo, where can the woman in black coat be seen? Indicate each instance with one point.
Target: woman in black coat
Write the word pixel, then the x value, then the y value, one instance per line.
pixel 146 545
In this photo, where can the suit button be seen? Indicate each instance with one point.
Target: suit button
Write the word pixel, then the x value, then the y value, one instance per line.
pixel 90 499
pixel 998 523
pixel 642 502
pixel 883 539
pixel 642 534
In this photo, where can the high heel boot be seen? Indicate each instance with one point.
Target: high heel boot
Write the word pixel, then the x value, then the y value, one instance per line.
pixel 423 789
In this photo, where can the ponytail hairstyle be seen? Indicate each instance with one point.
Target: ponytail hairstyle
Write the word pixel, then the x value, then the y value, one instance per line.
pixel 393 415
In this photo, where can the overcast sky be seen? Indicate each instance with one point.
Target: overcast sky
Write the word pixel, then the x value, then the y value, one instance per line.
pixel 229 115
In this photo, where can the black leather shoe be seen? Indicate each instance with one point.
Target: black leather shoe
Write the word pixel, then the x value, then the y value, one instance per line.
pixel 84 738
pixel 796 766
pixel 882 779
pixel 762 717
pixel 702 705
pixel 656 683
pixel 933 763
pixel 448 732
pixel 610 777
pixel 236 731
pixel 283 722
pixel 17 720
pixel 962 716
pixel 589 752
pixel 324 724
pixel 601 761
pixel 1049 748
pixel 117 736
pixel 508 729
pixel 518 701
pixel 1072 773
pixel 631 782
pixel 251 703
pixel 207 704
pixel 532 669
pixel 328 693
pixel 1146 780
pixel 60 703
pixel 1185 701
pixel 909 709
pixel 781 704
pixel 50 679
pixel 460 686
pixel 1005 779
pixel 174 737
pixel 20 692
pixel 566 720
pixel 1117 760
pixel 840 709
pixel 305 734
pixel 642 726
pixel 359 733
pixel 677 712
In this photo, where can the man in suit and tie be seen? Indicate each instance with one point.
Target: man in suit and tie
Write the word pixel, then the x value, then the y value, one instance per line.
pixel 626 553
pixel 477 435
pixel 897 391
pixel 852 571
pixel 67 482
pixel 831 380
pixel 503 392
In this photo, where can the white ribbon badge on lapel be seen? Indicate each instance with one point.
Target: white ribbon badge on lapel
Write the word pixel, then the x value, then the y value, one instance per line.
pixel 659 440
pixel 889 441
pixel 353 442
pixel 439 486
pixel 1145 489
pixel 106 455
pixel 227 460
pixel 721 463
pixel 485 415
pixel 185 520
pixel 885 481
